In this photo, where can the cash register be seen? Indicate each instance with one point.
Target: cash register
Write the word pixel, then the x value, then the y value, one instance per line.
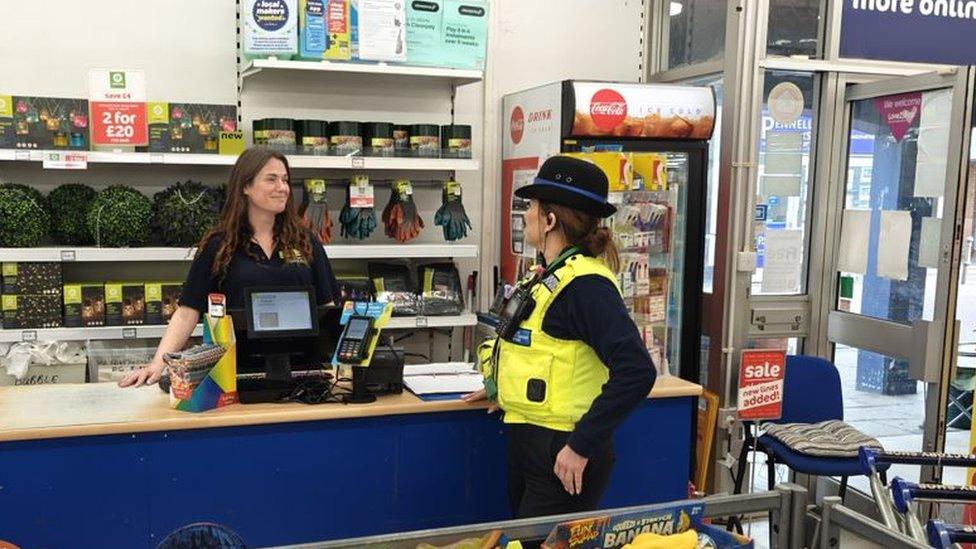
pixel 283 339
pixel 285 347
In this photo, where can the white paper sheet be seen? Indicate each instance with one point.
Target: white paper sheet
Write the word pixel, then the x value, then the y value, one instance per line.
pixel 854 231
pixel 784 153
pixel 933 143
pixel 894 240
pixel 928 243
pixel 783 261
pixel 458 383
pixel 438 368
pixel 382 30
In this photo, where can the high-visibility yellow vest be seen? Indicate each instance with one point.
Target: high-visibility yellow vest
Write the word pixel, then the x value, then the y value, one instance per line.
pixel 543 380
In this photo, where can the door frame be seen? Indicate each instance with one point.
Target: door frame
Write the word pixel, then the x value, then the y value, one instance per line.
pixel 929 346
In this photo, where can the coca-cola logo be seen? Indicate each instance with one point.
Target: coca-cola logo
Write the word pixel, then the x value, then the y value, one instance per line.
pixel 608 108
pixel 517 125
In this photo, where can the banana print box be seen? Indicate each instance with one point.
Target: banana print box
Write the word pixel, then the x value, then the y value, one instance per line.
pixel 32 278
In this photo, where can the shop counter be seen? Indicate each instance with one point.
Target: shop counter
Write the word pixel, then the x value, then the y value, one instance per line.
pixel 92 465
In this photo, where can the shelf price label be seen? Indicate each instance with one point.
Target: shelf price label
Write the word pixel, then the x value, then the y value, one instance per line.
pixel 358 163
pixel 68 255
pixel 28 335
pixel 66 160
pixel 421 321
pixel 129 333
pixel 118 107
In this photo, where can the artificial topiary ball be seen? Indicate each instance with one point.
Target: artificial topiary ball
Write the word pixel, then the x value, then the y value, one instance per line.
pixel 119 217
pixel 184 212
pixel 23 220
pixel 33 193
pixel 69 205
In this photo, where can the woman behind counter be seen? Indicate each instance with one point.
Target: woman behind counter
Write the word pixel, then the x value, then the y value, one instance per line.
pixel 258 241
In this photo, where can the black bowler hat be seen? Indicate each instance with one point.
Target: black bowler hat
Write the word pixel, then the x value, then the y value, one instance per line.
pixel 573 183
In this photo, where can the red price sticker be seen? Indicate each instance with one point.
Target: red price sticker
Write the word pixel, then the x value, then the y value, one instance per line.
pixel 761 373
pixel 119 124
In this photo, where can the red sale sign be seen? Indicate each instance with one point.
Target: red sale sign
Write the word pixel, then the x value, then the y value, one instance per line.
pixel 117 100
pixel 761 373
pixel 119 124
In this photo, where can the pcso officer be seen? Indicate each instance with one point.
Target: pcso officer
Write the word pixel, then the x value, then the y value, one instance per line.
pixel 568 364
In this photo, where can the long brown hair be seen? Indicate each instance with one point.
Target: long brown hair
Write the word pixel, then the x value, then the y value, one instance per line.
pixel 584 230
pixel 234 230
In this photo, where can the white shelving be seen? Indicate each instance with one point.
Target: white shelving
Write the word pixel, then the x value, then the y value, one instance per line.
pixel 336 251
pixel 155 332
pixel 84 334
pixel 399 323
pixel 379 163
pixel 393 251
pixel 457 76
pixel 296 161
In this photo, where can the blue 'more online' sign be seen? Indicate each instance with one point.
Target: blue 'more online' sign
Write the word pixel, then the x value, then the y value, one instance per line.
pixel 921 31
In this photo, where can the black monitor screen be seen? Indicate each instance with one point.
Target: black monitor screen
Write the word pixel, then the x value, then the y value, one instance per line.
pixel 281 311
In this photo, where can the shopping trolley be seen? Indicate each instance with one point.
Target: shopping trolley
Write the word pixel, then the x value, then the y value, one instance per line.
pixel 899 510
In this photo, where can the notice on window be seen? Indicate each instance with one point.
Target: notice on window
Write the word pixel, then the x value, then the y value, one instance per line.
pixel 928 243
pixel 784 153
pixel 933 144
pixel 894 240
pixel 852 254
pixel 782 261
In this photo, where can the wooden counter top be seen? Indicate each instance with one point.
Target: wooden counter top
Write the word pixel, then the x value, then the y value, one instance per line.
pixel 53 411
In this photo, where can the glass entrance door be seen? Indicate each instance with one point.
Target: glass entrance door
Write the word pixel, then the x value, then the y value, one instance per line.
pixel 896 215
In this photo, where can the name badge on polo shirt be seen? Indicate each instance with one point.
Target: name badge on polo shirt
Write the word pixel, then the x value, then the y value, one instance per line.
pixel 293 256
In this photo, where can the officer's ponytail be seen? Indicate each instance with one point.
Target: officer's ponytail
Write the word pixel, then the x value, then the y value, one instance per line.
pixel 585 231
pixel 599 242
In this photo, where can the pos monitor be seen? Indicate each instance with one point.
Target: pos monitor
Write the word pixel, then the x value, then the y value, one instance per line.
pixel 278 318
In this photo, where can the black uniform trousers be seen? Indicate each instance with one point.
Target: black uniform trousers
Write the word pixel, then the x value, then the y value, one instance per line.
pixel 534 490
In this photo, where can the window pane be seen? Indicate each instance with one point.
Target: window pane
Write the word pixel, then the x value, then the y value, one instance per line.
pixel 896 172
pixel 711 195
pixel 697 32
pixel 881 401
pixel 783 188
pixel 794 28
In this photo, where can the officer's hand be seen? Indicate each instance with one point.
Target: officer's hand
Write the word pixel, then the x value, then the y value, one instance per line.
pixel 478 396
pixel 569 468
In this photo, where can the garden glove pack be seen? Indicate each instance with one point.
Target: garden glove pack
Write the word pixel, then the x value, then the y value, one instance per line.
pixel 451 215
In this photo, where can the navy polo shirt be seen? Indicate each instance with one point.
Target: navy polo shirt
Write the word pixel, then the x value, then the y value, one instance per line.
pixel 249 268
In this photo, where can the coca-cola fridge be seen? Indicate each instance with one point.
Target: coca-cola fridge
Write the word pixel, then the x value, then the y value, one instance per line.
pixel 652 142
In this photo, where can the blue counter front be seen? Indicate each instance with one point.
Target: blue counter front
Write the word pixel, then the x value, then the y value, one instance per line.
pixel 96 466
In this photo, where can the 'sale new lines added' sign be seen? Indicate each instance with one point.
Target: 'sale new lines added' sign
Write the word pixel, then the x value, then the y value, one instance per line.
pixel 761 373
